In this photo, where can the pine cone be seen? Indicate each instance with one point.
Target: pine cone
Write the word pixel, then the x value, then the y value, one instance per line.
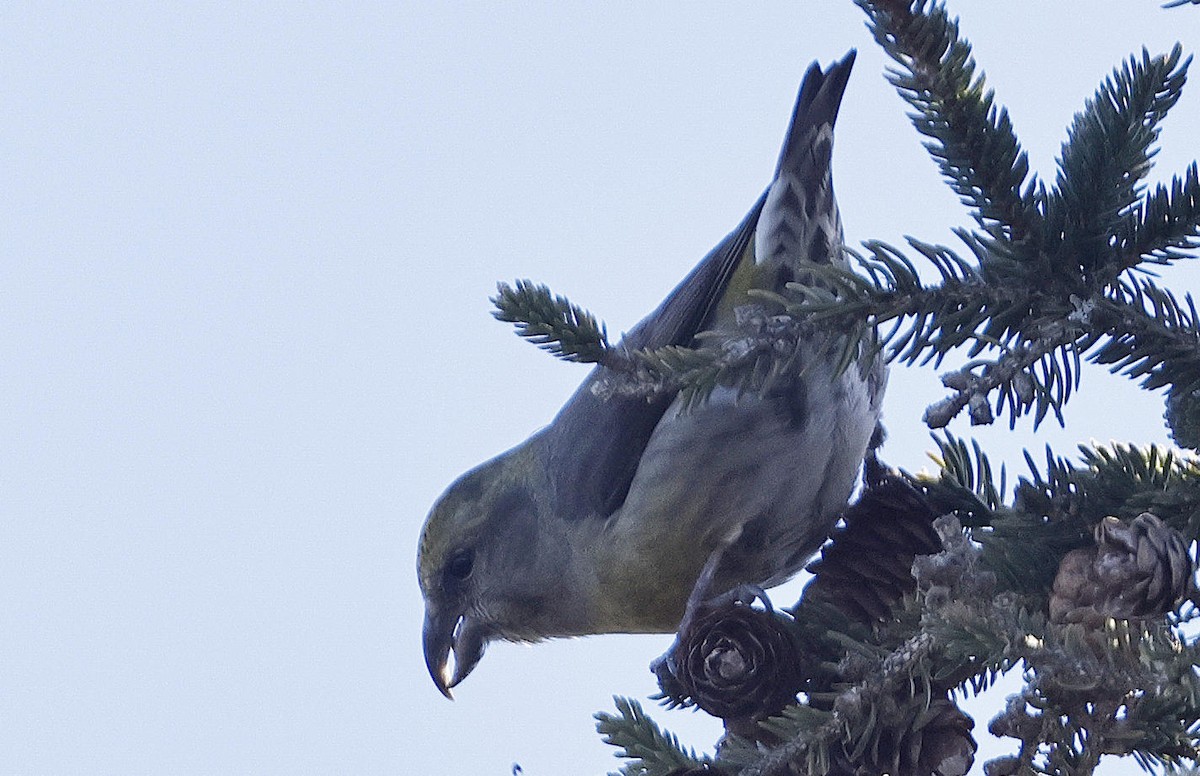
pixel 1139 569
pixel 938 742
pixel 867 568
pixel 734 662
pixel 699 770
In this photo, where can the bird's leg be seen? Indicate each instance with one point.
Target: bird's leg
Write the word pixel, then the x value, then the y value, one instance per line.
pixel 874 470
pixel 742 594
pixel 701 596
pixel 663 665
pixel 700 600
pixel 700 590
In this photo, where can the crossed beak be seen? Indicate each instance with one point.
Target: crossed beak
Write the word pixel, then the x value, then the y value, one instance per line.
pixel 449 630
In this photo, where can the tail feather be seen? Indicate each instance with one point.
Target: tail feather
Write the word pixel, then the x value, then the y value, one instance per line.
pixel 800 221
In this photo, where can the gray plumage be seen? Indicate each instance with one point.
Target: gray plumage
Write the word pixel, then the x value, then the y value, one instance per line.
pixel 602 521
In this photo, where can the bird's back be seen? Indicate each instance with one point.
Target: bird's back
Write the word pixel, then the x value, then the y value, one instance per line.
pixel 766 474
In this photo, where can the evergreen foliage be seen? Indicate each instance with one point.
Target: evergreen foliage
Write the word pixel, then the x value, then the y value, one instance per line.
pixel 551 322
pixel 648 748
pixel 1055 273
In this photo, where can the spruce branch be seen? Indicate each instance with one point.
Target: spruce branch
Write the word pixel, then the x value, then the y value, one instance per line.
pixel 1080 679
pixel 1147 334
pixel 1128 688
pixel 746 359
pixel 1021 387
pixel 651 750
pixel 1042 331
pixel 883 693
pixel 969 468
pixel 750 358
pixel 1107 154
pixel 1124 689
pixel 959 631
pixel 1163 225
pixel 928 320
pixel 851 719
pixel 1057 504
pixel 1125 480
pixel 552 322
pixel 1036 331
pixel 972 139
pixel 1045 287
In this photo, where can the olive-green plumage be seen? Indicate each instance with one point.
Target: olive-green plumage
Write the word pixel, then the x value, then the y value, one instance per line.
pixel 602 521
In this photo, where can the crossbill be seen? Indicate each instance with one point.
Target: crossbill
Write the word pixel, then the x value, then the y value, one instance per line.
pixel 602 521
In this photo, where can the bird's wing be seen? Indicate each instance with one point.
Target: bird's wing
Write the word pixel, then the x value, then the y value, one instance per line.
pixel 595 444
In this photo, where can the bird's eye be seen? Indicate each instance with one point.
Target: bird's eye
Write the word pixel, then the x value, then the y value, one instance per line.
pixel 460 564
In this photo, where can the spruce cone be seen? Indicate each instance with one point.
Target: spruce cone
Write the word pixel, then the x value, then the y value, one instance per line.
pixel 1139 569
pixel 867 568
pixel 937 742
pixel 734 662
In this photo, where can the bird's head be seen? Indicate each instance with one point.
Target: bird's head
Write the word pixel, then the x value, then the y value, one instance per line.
pixel 485 569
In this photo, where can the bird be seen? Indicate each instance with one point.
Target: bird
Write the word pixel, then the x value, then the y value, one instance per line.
pixel 604 520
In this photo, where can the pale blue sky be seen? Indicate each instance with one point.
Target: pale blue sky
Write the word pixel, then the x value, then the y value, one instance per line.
pixel 245 338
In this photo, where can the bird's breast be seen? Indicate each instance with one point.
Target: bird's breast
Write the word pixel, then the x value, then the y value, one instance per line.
pixel 770 475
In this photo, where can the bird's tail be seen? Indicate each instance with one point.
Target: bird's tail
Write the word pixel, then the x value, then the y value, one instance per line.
pixel 799 221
